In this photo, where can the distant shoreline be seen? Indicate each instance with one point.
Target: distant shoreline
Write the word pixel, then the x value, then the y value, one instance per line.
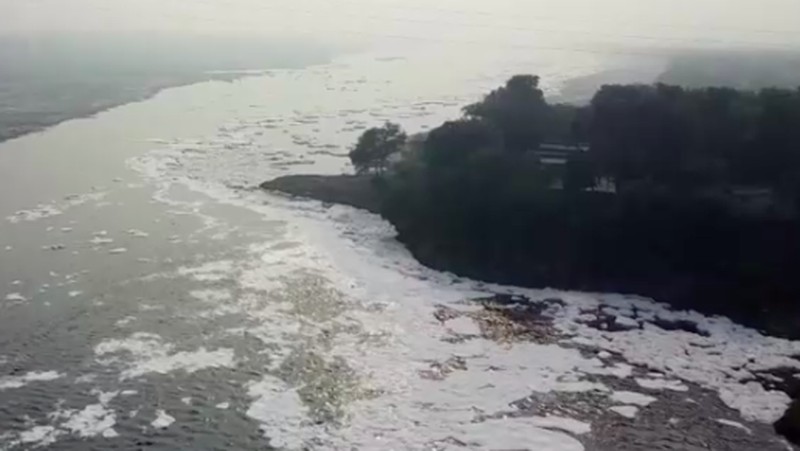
pixel 145 94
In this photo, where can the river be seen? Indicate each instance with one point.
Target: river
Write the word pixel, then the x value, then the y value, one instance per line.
pixel 151 297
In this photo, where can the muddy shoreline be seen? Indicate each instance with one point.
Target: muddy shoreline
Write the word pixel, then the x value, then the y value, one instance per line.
pixel 352 190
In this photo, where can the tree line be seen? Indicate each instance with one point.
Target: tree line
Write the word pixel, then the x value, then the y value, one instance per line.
pixel 687 195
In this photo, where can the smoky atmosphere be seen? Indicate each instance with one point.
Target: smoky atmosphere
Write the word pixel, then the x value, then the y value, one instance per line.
pixel 400 225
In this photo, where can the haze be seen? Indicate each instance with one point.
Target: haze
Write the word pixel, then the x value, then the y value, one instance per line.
pixel 652 23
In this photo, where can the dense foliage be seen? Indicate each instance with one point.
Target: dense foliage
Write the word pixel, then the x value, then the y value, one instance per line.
pixel 518 109
pixel 686 139
pixel 690 196
pixel 375 146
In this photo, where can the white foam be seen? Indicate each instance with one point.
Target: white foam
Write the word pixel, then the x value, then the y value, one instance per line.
pixel 39 436
pixel 626 321
pixel 34 214
pixel 99 240
pixel 211 295
pixel 125 321
pixel 93 420
pixel 223 405
pixel 734 424
pixel 53 209
pixel 755 403
pixel 119 250
pixel 661 384
pixel 163 420
pixel 463 325
pixel 570 425
pixel 509 433
pixel 75 293
pixel 281 413
pixel 138 233
pixel 355 253
pixel 15 297
pixel 628 397
pixel 144 353
pixel 722 361
pixel 619 370
pixel 11 382
pixel 209 272
pixel 625 411
pixel 86 378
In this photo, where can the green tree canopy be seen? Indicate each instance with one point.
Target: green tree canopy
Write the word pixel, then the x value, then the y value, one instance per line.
pixel 685 138
pixel 518 110
pixel 454 141
pixel 375 146
pixel 706 210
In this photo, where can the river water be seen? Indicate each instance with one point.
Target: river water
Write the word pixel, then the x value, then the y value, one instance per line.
pixel 151 297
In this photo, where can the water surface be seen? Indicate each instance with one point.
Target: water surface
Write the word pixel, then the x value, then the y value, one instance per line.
pixel 151 297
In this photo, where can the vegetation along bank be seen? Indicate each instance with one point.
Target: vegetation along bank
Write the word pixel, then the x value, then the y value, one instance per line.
pixel 689 196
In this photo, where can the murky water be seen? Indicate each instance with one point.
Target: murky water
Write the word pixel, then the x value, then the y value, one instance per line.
pixel 151 298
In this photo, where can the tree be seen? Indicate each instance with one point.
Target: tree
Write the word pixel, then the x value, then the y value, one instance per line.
pixel 778 138
pixel 706 214
pixel 518 110
pixel 454 141
pixel 375 146
pixel 642 132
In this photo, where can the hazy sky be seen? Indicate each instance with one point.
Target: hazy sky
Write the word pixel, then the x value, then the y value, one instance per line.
pixel 638 22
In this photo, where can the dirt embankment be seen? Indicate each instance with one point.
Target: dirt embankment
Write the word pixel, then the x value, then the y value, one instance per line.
pixel 357 191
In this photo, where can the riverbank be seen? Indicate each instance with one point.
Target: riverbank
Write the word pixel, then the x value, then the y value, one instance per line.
pixel 352 190
pixel 362 192
pixel 678 290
